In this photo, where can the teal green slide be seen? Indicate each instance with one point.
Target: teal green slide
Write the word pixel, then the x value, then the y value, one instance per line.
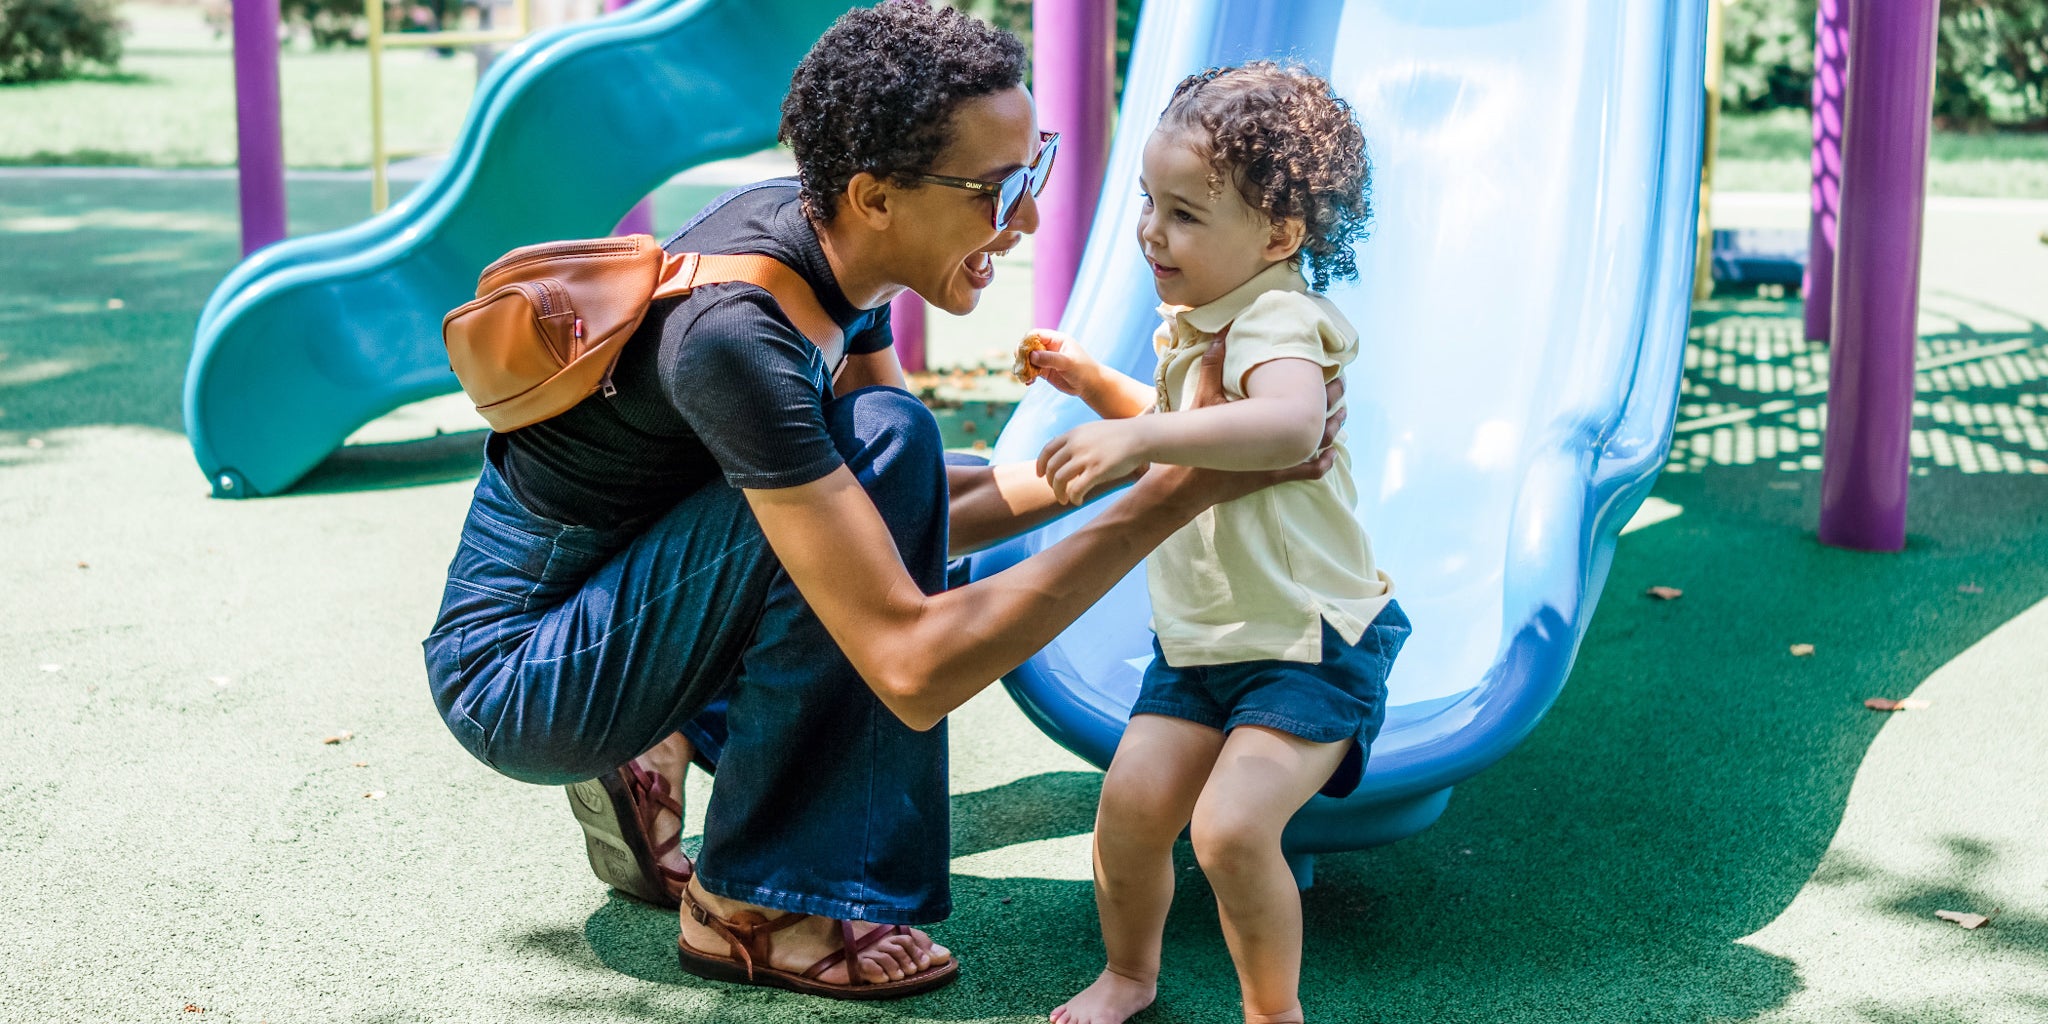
pixel 314 337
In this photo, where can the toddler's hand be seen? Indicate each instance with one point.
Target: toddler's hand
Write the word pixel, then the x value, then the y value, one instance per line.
pixel 1058 359
pixel 1091 457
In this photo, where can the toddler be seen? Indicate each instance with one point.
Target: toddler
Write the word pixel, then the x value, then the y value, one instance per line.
pixel 1274 629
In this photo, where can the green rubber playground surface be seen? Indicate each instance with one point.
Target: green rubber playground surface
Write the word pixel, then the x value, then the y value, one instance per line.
pixel 1706 828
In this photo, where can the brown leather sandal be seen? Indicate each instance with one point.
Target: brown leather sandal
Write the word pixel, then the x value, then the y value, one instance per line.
pixel 747 933
pixel 617 812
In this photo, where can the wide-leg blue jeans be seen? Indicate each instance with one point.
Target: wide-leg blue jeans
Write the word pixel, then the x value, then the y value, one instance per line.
pixel 561 652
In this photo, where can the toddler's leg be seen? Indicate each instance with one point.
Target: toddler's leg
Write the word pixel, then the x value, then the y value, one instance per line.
pixel 1147 799
pixel 1261 778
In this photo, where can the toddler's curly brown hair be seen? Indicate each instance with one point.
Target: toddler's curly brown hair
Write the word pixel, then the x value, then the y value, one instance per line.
pixel 1292 148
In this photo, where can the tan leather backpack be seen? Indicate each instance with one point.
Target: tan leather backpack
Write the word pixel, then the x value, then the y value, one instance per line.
pixel 549 320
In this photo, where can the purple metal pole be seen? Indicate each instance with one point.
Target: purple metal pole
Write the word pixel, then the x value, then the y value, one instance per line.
pixel 1830 62
pixel 1073 72
pixel 1887 106
pixel 640 219
pixel 259 128
pixel 906 323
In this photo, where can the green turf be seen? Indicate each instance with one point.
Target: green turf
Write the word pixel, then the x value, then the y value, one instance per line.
pixel 172 103
pixel 1771 153
pixel 1704 829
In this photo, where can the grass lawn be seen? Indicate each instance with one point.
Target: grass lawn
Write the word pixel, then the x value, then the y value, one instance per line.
pixel 1769 153
pixel 172 104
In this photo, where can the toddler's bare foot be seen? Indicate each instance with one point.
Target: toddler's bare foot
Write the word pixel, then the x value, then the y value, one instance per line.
pixel 1111 1000
pixel 1284 1017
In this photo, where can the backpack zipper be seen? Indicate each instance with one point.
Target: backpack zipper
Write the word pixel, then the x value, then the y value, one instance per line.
pixel 557 250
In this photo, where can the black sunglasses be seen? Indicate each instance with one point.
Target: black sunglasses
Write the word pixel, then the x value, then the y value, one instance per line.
pixel 1008 194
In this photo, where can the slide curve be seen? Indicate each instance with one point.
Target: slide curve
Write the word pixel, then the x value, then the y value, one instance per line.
pixel 1522 303
pixel 312 338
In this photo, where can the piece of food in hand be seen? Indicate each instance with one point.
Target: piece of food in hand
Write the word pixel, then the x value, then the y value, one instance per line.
pixel 1022 368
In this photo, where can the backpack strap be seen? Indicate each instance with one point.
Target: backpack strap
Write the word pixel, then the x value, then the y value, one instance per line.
pixel 686 271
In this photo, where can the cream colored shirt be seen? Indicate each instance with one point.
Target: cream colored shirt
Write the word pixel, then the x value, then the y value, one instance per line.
pixel 1257 577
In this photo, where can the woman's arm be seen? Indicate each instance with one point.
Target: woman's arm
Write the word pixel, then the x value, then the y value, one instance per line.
pixel 1280 422
pixel 991 504
pixel 925 655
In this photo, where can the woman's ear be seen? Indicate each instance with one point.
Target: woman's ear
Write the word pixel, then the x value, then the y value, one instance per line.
pixel 1286 239
pixel 868 198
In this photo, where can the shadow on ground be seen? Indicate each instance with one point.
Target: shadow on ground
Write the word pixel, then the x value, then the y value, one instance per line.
pixel 1680 794
pixel 428 460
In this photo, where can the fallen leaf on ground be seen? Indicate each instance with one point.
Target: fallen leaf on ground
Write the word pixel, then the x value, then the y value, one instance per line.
pixel 1802 650
pixel 1664 593
pixel 375 794
pixel 194 1008
pixel 1969 588
pixel 1887 704
pixel 339 737
pixel 359 764
pixel 1968 921
pixel 82 565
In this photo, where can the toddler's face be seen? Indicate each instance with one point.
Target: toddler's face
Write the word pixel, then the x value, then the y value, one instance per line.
pixel 1201 245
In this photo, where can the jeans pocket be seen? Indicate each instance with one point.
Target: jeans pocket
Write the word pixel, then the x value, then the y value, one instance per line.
pixel 501 558
pixel 451 658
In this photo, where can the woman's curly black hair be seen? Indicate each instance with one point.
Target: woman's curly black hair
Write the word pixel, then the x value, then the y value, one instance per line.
pixel 1291 147
pixel 878 90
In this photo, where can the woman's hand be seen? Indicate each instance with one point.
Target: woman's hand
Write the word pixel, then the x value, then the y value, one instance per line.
pixel 1090 457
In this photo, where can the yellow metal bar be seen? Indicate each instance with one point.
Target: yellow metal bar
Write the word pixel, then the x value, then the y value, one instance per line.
pixel 1703 267
pixel 524 15
pixel 380 185
pixel 424 40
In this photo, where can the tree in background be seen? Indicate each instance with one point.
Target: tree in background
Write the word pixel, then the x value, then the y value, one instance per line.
pixel 1991 63
pixel 1015 17
pixel 44 40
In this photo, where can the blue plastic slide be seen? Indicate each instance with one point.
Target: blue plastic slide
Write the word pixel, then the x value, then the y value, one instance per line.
pixel 314 337
pixel 1522 302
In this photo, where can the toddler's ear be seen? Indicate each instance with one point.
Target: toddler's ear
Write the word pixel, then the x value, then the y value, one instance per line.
pixel 1286 239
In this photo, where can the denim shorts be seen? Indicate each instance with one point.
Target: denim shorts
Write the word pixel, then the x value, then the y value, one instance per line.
pixel 1344 696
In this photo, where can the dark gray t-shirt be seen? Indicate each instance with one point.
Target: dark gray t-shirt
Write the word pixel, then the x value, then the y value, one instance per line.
pixel 719 384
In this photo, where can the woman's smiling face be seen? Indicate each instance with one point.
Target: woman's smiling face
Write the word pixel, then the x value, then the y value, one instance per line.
pixel 1200 236
pixel 950 245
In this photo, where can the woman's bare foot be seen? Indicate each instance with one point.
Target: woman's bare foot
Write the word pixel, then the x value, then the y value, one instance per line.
pixel 805 943
pixel 671 760
pixel 1113 999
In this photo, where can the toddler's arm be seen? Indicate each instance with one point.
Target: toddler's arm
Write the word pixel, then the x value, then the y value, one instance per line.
pixel 1064 364
pixel 1279 423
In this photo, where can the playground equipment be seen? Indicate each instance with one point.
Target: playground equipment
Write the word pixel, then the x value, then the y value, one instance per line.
pixel 1523 305
pixel 379 40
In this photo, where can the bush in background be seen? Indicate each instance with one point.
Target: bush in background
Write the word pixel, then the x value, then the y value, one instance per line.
pixel 1992 64
pixel 44 40
pixel 1766 54
pixel 1990 68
